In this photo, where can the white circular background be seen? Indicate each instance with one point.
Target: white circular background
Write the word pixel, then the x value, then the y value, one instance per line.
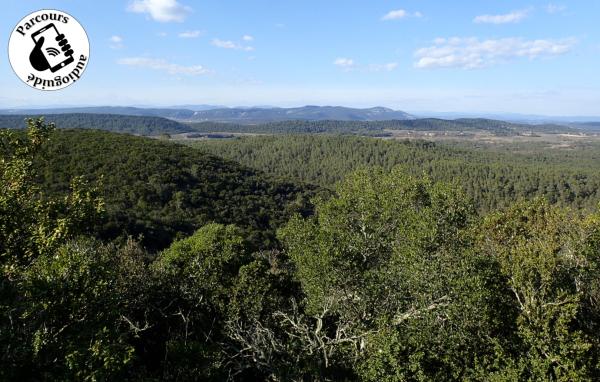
pixel 20 47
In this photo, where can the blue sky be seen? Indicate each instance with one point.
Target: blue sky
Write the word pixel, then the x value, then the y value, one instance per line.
pixel 534 57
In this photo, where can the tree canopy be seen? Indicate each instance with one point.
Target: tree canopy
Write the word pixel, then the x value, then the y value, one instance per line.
pixel 391 277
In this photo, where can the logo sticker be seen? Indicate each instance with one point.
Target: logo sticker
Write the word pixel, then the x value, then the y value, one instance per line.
pixel 49 50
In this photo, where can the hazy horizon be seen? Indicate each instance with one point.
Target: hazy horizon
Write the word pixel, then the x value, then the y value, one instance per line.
pixel 418 113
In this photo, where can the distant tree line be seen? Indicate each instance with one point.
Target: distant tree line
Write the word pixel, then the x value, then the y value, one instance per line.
pixel 498 128
pixel 110 122
pixel 154 125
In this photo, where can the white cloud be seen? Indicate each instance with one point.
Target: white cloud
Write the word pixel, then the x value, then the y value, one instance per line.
pixel 399 14
pixel 348 64
pixel 116 42
pixel 163 11
pixel 471 53
pixel 224 44
pixel 345 63
pixel 227 44
pixel 383 67
pixel 162 34
pixel 395 15
pixel 554 8
pixel 247 38
pixel 512 17
pixel 191 34
pixel 163 65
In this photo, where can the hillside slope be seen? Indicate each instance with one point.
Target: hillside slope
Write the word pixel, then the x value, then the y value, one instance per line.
pixel 162 191
pixel 109 122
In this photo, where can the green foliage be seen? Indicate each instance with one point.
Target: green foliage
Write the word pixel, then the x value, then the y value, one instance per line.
pixel 31 224
pixel 491 178
pixel 214 296
pixel 111 122
pixel 537 248
pixel 73 315
pixel 195 276
pixel 33 229
pixel 204 265
pixel 392 278
pixel 384 263
pixel 162 191
pixel 357 232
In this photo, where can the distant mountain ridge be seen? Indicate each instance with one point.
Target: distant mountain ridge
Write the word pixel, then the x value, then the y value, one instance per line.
pixel 237 115
pixel 274 120
pixel 306 113
pixel 266 114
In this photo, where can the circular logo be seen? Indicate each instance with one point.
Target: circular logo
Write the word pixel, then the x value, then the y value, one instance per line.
pixel 49 50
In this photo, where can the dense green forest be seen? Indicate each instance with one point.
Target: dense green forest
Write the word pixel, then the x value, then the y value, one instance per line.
pixel 498 128
pixel 492 178
pixel 391 277
pixel 160 190
pixel 139 125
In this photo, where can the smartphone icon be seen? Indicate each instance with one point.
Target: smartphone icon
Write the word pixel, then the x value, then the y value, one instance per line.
pixel 52 50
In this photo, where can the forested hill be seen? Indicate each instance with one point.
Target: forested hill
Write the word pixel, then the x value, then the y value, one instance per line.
pixel 163 191
pixel 250 115
pixel 491 179
pixel 156 125
pixel 495 127
pixel 174 113
pixel 139 125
